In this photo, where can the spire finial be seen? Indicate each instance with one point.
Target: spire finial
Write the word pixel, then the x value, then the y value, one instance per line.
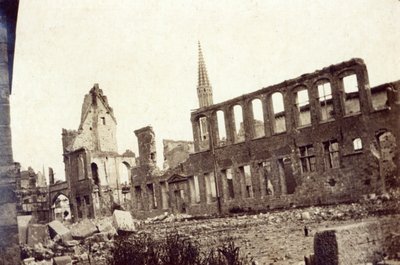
pixel 203 77
pixel 204 90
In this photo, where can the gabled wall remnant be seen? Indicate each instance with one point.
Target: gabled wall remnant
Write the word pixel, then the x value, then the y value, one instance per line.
pixel 97 177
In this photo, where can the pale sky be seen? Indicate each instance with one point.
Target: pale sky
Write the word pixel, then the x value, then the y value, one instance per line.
pixel 144 55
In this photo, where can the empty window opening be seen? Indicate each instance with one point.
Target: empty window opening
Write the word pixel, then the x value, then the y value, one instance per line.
pixel 125 173
pixel 282 177
pixel 81 168
pixel 211 191
pixel 239 126
pixel 351 94
pixel 303 108
pixel 278 108
pixel 203 133
pixel 331 154
pixel 229 180
pixel 79 207
pixel 265 178
pixel 221 128
pixel 194 189
pixel 258 118
pixel 61 208
pixel 95 174
pixel 227 184
pixel 151 196
pixel 379 97
pixel 153 157
pixel 325 101
pixel 138 197
pixel 103 120
pixel 307 158
pixel 247 187
pixel 357 144
pixel 203 128
pixel 180 200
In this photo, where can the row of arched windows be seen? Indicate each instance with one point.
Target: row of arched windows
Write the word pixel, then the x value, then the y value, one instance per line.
pixel 274 106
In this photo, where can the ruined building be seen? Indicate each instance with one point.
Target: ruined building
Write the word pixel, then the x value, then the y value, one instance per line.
pixel 33 196
pixel 9 170
pixel 324 137
pixel 97 177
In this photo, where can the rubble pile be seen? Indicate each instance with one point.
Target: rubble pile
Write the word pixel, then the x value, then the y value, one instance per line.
pixel 278 237
pixel 80 243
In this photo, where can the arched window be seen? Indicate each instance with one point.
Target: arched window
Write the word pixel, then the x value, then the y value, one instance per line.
pixel 325 100
pixel 278 108
pixel 239 126
pixel 125 173
pixel 258 118
pixel 303 113
pixel 221 128
pixel 202 132
pixel 61 208
pixel 351 94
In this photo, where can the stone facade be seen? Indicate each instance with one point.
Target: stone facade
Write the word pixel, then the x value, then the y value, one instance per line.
pixel 97 177
pixel 324 137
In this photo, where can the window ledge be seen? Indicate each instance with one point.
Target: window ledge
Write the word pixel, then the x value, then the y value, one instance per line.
pixel 327 121
pixel 304 126
pixel 352 114
pixel 359 152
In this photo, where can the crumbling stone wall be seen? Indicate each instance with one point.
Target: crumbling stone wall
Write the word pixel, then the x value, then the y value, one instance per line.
pixel 33 196
pixel 335 157
pixel 360 243
pixel 176 152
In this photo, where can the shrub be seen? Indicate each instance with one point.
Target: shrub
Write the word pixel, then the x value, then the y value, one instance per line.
pixel 173 249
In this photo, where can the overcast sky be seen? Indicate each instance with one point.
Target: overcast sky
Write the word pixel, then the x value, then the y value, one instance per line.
pixel 144 55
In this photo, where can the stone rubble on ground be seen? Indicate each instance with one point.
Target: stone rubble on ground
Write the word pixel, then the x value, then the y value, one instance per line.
pixel 94 238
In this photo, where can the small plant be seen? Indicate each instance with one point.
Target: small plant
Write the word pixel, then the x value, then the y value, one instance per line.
pixel 173 249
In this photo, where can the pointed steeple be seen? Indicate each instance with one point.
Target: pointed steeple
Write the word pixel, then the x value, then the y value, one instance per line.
pixel 204 89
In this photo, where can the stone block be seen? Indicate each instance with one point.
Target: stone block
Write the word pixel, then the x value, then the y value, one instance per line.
pixel 29 261
pixel 123 221
pixel 56 228
pixel 37 234
pixel 305 216
pixel 105 227
pixel 71 243
pixel 23 222
pixel 83 229
pixel 63 260
pixel 350 244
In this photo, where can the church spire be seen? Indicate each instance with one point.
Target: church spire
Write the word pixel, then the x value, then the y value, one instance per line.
pixel 204 89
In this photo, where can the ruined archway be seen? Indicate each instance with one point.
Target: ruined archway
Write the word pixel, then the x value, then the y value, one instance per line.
pixel 125 173
pixel 60 207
